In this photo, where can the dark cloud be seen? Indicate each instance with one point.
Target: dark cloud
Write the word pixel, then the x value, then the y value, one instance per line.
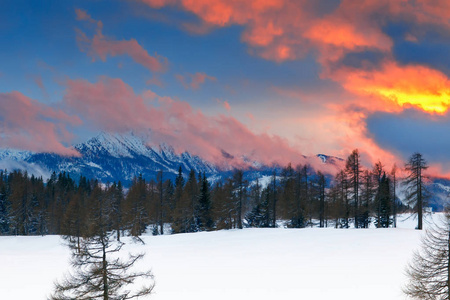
pixel 412 131
pixel 367 60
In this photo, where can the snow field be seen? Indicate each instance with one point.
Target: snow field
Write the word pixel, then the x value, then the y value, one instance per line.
pixel 310 263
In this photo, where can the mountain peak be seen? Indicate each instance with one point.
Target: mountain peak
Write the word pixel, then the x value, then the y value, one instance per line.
pixel 115 144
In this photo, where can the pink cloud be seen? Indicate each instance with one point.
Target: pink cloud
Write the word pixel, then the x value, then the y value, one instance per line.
pixel 38 80
pixel 100 46
pixel 155 80
pixel 226 105
pixel 82 15
pixel 193 81
pixel 112 105
pixel 28 124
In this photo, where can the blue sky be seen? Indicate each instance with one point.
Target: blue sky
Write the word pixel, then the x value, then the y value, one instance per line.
pixel 303 76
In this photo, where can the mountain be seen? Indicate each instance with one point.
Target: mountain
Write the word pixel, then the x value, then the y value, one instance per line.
pixel 109 157
pixel 112 157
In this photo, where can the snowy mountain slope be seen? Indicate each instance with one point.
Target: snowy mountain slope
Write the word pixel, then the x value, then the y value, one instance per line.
pixel 111 157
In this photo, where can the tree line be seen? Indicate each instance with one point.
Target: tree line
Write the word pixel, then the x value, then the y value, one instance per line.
pixel 298 195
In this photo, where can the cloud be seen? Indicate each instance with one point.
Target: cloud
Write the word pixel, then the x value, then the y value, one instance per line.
pixel 412 130
pixel 193 81
pixel 396 86
pixel 82 15
pixel 112 105
pixel 349 34
pixel 28 124
pixel 100 46
pixel 155 80
pixel 38 80
pixel 225 104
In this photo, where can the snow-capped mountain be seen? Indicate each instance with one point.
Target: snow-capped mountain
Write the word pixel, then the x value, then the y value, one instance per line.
pixel 109 157
pixel 112 157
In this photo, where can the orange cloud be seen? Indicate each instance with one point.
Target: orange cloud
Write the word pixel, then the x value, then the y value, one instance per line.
pixel 288 29
pixel 415 85
pixel 40 128
pixel 102 46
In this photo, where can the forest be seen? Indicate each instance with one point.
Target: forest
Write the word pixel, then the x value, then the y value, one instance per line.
pixel 296 196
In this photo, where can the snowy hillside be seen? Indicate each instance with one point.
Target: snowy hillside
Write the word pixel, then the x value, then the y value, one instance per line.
pixel 238 264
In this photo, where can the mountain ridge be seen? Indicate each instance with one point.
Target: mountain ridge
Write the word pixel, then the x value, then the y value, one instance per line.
pixel 112 157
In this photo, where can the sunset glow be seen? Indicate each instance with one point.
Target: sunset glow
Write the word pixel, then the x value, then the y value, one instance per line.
pixel 270 79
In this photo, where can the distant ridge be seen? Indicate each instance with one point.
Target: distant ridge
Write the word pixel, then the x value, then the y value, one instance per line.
pixel 113 157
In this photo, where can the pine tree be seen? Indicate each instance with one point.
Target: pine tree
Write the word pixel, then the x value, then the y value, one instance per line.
pixel 378 175
pixel 429 270
pixel 136 203
pixel 394 194
pixel 160 206
pixel 5 205
pixel 297 220
pixel 240 186
pixel 342 185
pixel 287 192
pixel 186 213
pixel 99 274
pixel 321 193
pixel 383 197
pixel 416 192
pixel 353 170
pixel 273 192
pixel 204 219
pixel 367 196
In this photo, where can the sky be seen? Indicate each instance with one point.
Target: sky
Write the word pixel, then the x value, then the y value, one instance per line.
pixel 269 79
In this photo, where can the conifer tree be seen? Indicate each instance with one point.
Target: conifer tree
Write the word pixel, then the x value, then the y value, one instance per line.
pixel 383 197
pixel 99 274
pixel 240 186
pixel 204 220
pixel 394 194
pixel 429 270
pixel 416 191
pixel 353 170
pixel 160 206
pixel 273 192
pixel 136 202
pixel 5 205
pixel 378 175
pixel 321 193
pixel 297 219
pixel 287 192
pixel 367 196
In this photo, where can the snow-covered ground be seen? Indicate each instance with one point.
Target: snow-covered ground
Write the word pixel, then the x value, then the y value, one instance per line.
pixel 238 264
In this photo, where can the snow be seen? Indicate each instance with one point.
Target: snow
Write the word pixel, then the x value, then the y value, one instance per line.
pixel 317 263
pixel 117 145
pixel 14 154
pixel 31 168
pixel 443 187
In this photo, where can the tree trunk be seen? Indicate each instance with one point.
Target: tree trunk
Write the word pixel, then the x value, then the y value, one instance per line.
pixel 419 199
pixel 105 274
pixel 448 267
